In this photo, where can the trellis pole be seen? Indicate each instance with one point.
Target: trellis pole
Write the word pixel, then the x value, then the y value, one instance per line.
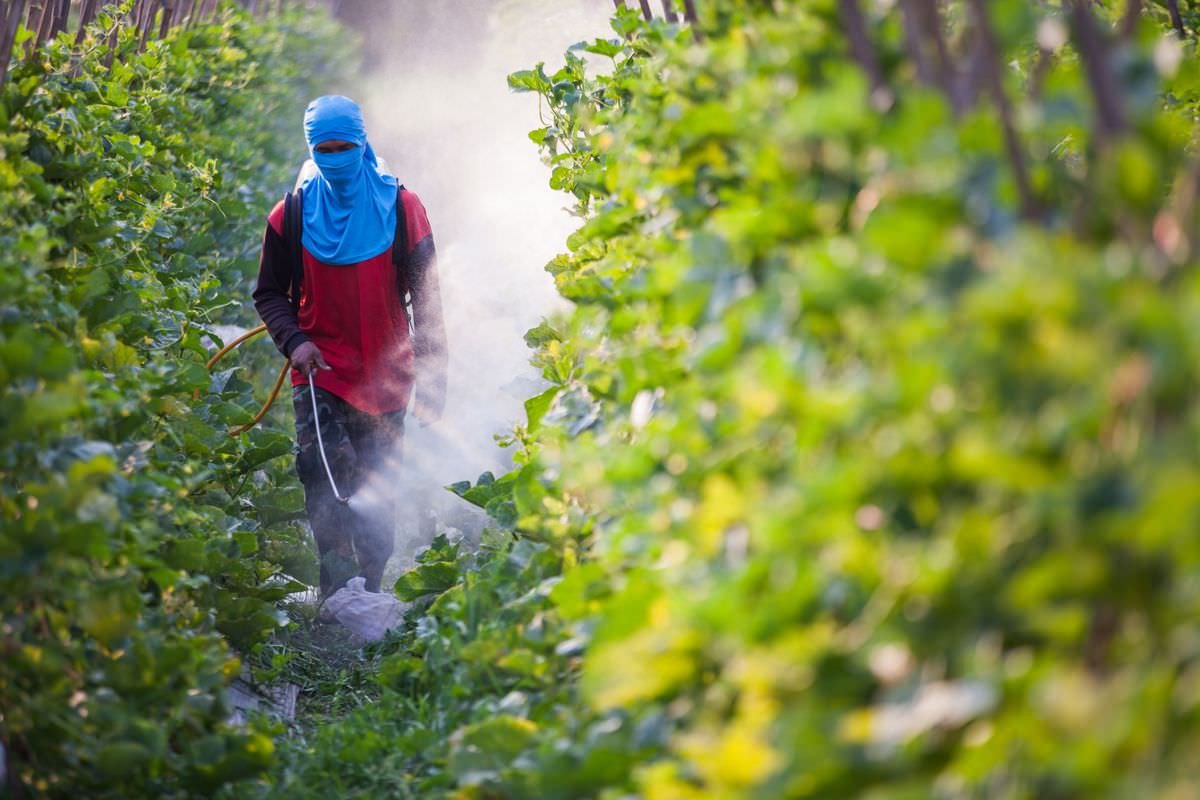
pixel 10 20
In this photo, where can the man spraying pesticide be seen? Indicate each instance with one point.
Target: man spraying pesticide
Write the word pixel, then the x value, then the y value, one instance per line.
pixel 340 257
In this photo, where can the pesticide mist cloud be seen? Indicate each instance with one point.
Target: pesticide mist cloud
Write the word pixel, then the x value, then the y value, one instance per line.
pixel 439 110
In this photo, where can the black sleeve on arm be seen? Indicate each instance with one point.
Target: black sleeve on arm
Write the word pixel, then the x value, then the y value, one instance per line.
pixel 271 294
pixel 429 343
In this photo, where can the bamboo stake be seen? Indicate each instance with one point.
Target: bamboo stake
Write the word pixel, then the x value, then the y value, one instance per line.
pixel 49 21
pixel 142 20
pixel 863 51
pixel 5 14
pixel 193 15
pixel 929 18
pixel 86 12
pixel 158 11
pixel 1012 145
pixel 1093 52
pixel 1129 20
pixel 914 43
pixel 168 18
pixel 1176 19
pixel 60 19
pixel 8 33
pixel 43 24
pixel 973 77
pixel 46 26
pixel 689 14
pixel 34 15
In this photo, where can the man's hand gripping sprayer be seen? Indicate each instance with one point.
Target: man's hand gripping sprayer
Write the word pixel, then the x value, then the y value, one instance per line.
pixel 312 392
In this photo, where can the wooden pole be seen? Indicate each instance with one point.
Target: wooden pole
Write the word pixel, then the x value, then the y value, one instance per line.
pixel 1176 19
pixel 193 14
pixel 646 12
pixel 139 20
pixel 45 17
pixel 1129 19
pixel 5 13
pixel 9 22
pixel 669 11
pixel 863 50
pixel 929 18
pixel 86 12
pixel 60 18
pixel 168 17
pixel 988 51
pixel 33 15
pixel 914 42
pixel 148 21
pixel 1093 52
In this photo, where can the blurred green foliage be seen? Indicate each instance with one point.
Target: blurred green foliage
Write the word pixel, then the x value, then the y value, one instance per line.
pixel 853 479
pixel 134 550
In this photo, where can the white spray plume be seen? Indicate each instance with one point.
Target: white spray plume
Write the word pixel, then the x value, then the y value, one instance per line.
pixel 438 108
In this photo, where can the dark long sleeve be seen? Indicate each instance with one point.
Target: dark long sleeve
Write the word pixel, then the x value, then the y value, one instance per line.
pixel 272 298
pixel 429 343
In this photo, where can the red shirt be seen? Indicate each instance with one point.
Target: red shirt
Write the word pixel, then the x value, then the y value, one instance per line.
pixel 355 316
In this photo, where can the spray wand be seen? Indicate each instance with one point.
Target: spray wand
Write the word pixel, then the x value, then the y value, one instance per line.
pixel 312 392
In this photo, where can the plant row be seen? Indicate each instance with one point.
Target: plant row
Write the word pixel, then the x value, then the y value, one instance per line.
pixel 140 541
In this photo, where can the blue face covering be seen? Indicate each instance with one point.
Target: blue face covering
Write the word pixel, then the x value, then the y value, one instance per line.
pixel 349 205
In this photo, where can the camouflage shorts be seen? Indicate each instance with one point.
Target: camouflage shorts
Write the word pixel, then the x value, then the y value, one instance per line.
pixel 361 448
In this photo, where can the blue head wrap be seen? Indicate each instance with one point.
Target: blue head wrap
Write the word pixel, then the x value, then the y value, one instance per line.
pixel 349 204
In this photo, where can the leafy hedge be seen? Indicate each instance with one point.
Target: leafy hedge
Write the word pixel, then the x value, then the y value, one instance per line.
pixel 851 480
pixel 895 492
pixel 131 203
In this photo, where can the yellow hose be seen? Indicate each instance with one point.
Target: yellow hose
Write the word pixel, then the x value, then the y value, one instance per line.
pixel 262 412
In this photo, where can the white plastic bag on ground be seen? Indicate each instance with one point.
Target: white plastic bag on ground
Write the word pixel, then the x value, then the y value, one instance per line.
pixel 368 614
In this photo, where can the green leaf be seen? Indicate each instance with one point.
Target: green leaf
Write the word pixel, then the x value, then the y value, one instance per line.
pixel 426 579
pixel 480 752
pixel 602 47
pixel 536 407
pixel 527 80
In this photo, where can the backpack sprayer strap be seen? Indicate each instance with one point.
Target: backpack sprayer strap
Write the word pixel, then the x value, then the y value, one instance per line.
pixel 293 233
pixel 400 256
pixel 293 227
